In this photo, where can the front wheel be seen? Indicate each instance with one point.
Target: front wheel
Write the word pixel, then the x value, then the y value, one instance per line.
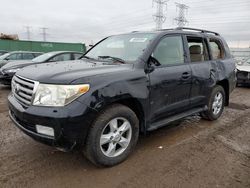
pixel 215 104
pixel 113 136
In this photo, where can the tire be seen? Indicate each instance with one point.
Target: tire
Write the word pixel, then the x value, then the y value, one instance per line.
pixel 101 153
pixel 214 111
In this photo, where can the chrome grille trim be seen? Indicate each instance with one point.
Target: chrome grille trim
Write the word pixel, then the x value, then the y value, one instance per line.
pixel 23 90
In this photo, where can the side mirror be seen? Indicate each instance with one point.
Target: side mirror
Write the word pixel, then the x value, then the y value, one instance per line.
pixel 153 61
pixel 150 65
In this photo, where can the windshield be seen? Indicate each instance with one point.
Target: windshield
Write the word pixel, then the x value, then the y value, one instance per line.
pixel 128 47
pixel 4 56
pixel 43 58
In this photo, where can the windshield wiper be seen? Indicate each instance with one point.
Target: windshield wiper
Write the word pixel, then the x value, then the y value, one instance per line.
pixel 114 58
pixel 84 56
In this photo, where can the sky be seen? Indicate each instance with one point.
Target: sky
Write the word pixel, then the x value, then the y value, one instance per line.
pixel 90 21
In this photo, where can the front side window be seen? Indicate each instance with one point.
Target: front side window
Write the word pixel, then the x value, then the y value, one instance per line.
pixel 169 51
pixel 61 57
pixel 217 51
pixel 77 56
pixel 128 47
pixel 197 49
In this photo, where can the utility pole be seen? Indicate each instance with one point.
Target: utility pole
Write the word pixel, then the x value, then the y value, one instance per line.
pixel 28 32
pixel 159 16
pixel 180 19
pixel 44 33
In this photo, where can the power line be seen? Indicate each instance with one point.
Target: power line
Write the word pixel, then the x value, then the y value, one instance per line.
pixel 44 33
pixel 180 19
pixel 28 32
pixel 159 17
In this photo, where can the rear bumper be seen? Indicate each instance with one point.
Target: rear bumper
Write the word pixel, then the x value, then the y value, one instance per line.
pixel 70 123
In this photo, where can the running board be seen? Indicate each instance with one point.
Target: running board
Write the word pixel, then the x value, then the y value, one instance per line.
pixel 175 117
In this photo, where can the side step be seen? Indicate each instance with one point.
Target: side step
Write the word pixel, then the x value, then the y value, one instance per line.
pixel 175 117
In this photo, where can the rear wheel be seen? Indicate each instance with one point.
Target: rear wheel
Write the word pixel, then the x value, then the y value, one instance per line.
pixel 215 104
pixel 112 136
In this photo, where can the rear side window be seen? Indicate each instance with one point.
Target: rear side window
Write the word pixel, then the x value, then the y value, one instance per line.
pixel 217 51
pixel 17 56
pixel 197 49
pixel 169 51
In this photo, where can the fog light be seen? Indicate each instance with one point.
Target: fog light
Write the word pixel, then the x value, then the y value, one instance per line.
pixel 45 130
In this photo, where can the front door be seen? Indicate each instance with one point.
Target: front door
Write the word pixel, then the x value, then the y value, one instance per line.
pixel 170 82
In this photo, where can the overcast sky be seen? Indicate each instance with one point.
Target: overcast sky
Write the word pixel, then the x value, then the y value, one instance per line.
pixel 86 21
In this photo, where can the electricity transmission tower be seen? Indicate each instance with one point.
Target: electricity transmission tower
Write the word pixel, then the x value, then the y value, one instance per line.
pixel 44 33
pixel 180 19
pixel 28 32
pixel 159 16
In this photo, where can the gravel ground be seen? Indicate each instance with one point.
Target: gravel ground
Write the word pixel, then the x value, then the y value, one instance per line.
pixel 189 153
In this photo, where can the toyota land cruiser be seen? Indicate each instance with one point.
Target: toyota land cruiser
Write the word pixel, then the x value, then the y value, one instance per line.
pixel 124 85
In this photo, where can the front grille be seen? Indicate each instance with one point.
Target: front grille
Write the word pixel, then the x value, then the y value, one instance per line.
pixel 24 124
pixel 243 75
pixel 23 90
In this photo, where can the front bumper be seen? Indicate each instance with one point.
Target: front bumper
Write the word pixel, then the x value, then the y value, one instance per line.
pixel 243 77
pixel 70 123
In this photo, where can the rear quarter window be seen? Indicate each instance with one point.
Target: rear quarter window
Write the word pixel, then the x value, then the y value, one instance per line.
pixel 217 50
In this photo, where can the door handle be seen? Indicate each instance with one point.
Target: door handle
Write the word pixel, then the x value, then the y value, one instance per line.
pixel 186 75
pixel 212 72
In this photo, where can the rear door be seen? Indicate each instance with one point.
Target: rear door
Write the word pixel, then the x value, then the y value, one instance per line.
pixel 200 63
pixel 170 82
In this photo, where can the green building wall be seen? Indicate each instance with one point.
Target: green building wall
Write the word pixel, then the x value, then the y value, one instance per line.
pixel 37 46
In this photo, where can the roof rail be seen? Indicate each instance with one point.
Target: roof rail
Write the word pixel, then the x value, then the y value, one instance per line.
pixel 194 29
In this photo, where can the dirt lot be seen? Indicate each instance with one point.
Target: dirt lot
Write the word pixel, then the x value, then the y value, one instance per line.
pixel 190 153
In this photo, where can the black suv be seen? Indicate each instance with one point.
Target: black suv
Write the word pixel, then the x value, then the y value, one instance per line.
pixel 124 85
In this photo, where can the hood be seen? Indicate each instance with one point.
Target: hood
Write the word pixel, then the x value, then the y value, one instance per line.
pixel 245 68
pixel 17 64
pixel 66 72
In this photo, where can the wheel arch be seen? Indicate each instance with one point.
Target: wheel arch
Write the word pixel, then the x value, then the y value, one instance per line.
pixel 135 105
pixel 225 84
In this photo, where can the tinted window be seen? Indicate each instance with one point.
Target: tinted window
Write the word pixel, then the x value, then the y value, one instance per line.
pixel 61 57
pixel 169 51
pixel 216 49
pixel 17 56
pixel 197 49
pixel 28 56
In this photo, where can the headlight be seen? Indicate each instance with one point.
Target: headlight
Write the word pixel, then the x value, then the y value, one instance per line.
pixel 11 70
pixel 58 95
